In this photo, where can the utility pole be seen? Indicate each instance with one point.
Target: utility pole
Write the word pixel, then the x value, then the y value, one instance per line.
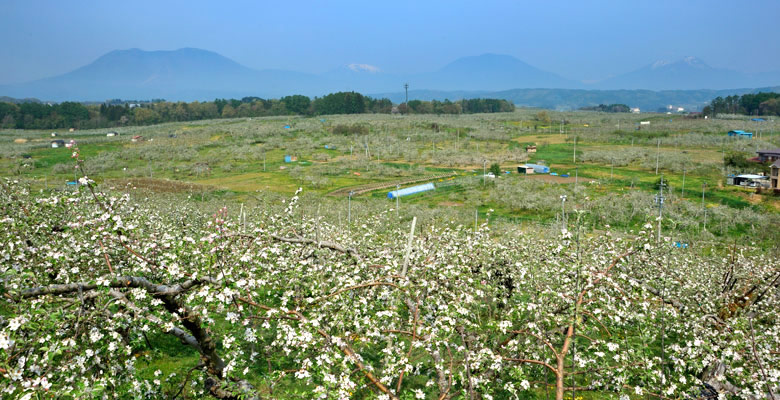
pixel 659 199
pixel 397 201
pixel 484 171
pixel 576 179
pixel 563 211
pixel 657 155
pixel 703 186
pixel 406 89
pixel 705 219
pixel 575 150
pixel 349 208
pixel 683 185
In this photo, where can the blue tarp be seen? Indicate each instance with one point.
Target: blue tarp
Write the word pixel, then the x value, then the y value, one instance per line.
pixel 539 169
pixel 758 119
pixel 287 159
pixel 410 190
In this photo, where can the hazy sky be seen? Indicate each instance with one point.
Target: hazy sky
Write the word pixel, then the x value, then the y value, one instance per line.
pixel 578 39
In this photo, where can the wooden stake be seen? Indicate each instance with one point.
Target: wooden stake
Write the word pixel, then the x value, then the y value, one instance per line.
pixel 408 248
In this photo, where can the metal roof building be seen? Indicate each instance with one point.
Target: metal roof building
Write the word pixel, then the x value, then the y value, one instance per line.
pixel 741 133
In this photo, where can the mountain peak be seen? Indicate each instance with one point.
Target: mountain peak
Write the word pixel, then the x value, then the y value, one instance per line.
pixel 494 72
pixel 690 61
pixel 659 64
pixel 688 72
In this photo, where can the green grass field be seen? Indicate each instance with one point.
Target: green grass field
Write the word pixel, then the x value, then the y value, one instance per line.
pixel 242 159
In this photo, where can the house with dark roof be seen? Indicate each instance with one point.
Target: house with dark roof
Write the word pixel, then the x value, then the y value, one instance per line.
pixel 768 155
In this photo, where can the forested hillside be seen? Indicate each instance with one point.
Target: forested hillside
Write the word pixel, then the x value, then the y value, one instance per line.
pixel 118 113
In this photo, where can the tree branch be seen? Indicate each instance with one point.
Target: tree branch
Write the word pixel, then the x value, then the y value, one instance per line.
pixel 119 282
pixel 176 331
pixel 327 244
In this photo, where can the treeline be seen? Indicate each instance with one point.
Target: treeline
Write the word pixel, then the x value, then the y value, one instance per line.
pixel 110 114
pixel 763 103
pixel 465 106
pixel 610 108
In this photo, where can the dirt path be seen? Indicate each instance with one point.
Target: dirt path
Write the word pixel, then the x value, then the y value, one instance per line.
pixel 554 179
pixel 385 185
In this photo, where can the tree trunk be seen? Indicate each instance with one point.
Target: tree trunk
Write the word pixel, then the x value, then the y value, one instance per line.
pixel 559 379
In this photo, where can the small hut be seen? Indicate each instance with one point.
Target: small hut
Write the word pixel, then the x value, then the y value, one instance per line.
pixel 137 138
pixel 525 169
pixel 57 143
pixel 530 149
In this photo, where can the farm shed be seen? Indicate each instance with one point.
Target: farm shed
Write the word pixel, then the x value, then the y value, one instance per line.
pixel 410 190
pixel 750 180
pixel 540 169
pixel 111 134
pixel 54 134
pixel 774 175
pixel 525 169
pixel 137 138
pixel 768 155
pixel 530 149
pixel 290 158
pixel 741 133
pixel 57 143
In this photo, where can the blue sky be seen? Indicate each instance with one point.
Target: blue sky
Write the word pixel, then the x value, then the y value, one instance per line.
pixel 581 39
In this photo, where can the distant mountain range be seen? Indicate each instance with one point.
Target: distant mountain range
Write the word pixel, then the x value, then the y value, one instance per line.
pixel 193 74
pixel 686 74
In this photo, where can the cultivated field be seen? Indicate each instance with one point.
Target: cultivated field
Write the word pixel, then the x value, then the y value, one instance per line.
pixel 197 262
pixel 242 161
